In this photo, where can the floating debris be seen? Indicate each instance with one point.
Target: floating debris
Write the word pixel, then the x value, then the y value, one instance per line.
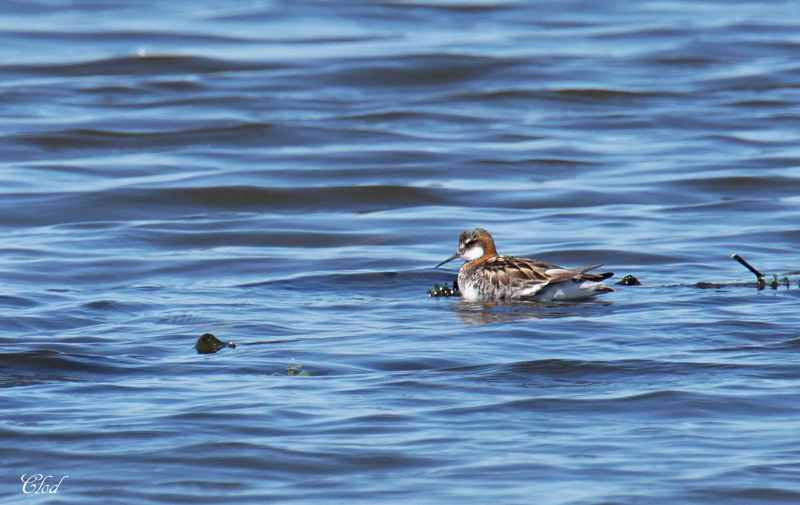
pixel 293 370
pixel 629 280
pixel 209 344
pixel 761 283
pixel 774 283
pixel 716 285
pixel 443 290
pixel 748 266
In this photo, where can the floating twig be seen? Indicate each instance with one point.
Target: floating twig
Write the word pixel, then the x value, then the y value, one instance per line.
pixel 761 283
pixel 748 266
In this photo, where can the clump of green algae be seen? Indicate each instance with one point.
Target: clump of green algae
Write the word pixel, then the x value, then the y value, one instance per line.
pixel 443 290
pixel 295 370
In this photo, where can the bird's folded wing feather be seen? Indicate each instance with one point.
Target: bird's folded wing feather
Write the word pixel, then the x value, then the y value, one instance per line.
pixel 521 273
pixel 563 274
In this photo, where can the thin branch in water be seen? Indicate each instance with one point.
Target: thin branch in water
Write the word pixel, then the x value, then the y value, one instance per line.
pixel 748 266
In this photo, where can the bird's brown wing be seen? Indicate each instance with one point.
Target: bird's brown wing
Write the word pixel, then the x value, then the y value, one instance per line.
pixel 518 274
pixel 505 272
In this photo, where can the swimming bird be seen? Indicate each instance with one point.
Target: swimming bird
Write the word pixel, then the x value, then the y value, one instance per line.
pixel 486 275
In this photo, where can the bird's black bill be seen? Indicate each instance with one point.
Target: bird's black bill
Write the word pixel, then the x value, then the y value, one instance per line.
pixel 451 258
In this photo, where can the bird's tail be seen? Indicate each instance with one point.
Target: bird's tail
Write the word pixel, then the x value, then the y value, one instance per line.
pixel 593 277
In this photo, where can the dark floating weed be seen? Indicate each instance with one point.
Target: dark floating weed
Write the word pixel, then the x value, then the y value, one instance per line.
pixel 443 290
pixel 629 280
pixel 209 344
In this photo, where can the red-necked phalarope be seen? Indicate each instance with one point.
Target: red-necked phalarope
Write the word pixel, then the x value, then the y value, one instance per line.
pixel 489 276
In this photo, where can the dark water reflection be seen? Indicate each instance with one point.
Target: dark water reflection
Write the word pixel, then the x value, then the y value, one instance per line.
pixel 285 175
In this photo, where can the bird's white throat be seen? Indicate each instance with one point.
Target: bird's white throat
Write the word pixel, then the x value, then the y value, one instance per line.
pixel 472 253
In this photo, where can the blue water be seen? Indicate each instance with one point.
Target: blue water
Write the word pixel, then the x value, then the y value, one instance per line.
pixel 286 174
